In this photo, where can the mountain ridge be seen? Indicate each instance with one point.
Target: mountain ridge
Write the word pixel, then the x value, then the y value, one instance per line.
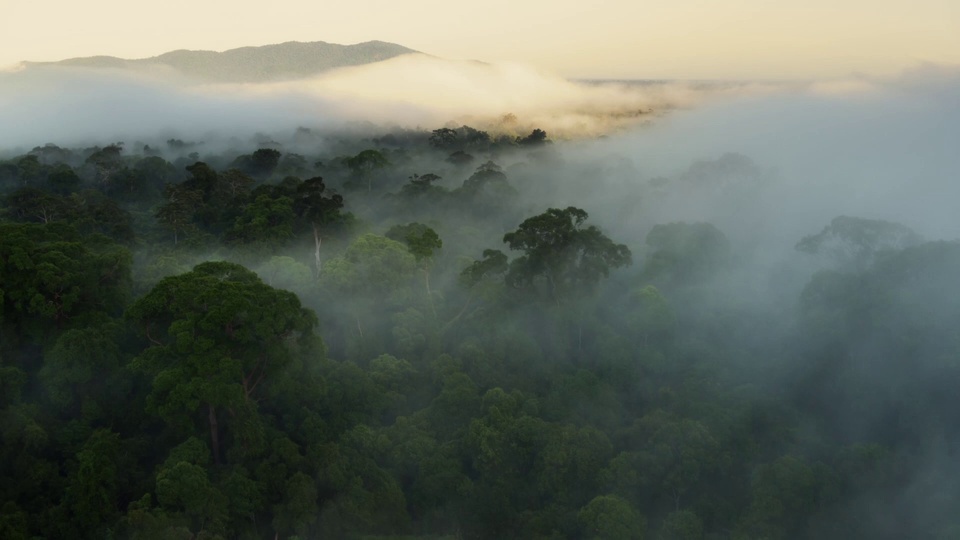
pixel 265 63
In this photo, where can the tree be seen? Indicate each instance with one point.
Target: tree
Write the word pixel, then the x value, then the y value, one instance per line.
pixel 443 138
pixel 560 251
pixel 216 333
pixel 54 280
pixel 317 209
pixel 286 273
pixel 681 525
pixel 178 212
pixel 62 180
pixel 266 220
pixel 460 158
pixel 608 517
pixel 371 269
pixel 222 195
pixel 156 172
pixel 91 495
pixel 92 212
pixel 536 137
pixel 422 241
pixel 81 372
pixel 674 454
pixel 488 173
pixel 784 494
pixel 493 263
pixel 29 170
pixel 481 277
pixel 34 205
pixel 365 163
pixel 651 316
pixel 854 243
pixel 106 161
pixel 684 252
pixel 419 186
pixel 259 164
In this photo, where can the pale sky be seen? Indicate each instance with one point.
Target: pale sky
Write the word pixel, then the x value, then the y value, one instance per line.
pixel 686 39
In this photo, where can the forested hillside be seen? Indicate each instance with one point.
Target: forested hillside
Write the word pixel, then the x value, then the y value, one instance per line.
pixel 282 61
pixel 448 334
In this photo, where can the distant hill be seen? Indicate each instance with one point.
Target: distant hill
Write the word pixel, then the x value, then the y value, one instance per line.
pixel 291 60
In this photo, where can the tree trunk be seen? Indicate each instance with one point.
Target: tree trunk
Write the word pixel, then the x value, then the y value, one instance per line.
pixel 316 250
pixel 426 275
pixel 553 289
pixel 458 315
pixel 214 435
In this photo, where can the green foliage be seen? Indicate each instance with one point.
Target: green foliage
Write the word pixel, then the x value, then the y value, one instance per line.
pixel 365 163
pixel 684 252
pixel 494 263
pixel 217 332
pixel 852 242
pixel 422 186
pixel 558 250
pixel 178 213
pixel 261 163
pixel 286 273
pixel 92 491
pixel 372 265
pixel 609 517
pixel 81 368
pixel 681 525
pixel 420 239
pixel 467 408
pixel 52 279
pixel 312 205
pixel 264 221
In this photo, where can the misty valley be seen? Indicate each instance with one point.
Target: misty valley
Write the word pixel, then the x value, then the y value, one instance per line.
pixel 739 320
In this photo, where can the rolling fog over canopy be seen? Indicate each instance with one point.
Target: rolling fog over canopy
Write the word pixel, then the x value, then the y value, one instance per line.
pixel 736 381
pixel 874 148
pixel 66 105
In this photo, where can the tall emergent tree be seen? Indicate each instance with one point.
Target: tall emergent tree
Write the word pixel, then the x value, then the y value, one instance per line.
pixel 422 241
pixel 558 250
pixel 318 209
pixel 218 332
pixel 365 163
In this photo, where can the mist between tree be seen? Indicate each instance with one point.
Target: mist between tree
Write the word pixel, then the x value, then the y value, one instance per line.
pixel 71 105
pixel 254 319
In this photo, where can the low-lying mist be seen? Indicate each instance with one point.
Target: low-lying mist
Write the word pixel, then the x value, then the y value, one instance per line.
pixel 69 106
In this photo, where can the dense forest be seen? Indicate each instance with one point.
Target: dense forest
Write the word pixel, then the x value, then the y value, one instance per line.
pixel 444 334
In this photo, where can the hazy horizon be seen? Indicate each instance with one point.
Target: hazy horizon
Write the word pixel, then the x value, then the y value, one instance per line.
pixel 747 39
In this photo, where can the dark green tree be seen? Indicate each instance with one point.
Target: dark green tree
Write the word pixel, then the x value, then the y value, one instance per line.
pixel 317 209
pixel 537 137
pixel 608 517
pixel 561 252
pixel 265 221
pixel 422 241
pixel 218 336
pixel 177 214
